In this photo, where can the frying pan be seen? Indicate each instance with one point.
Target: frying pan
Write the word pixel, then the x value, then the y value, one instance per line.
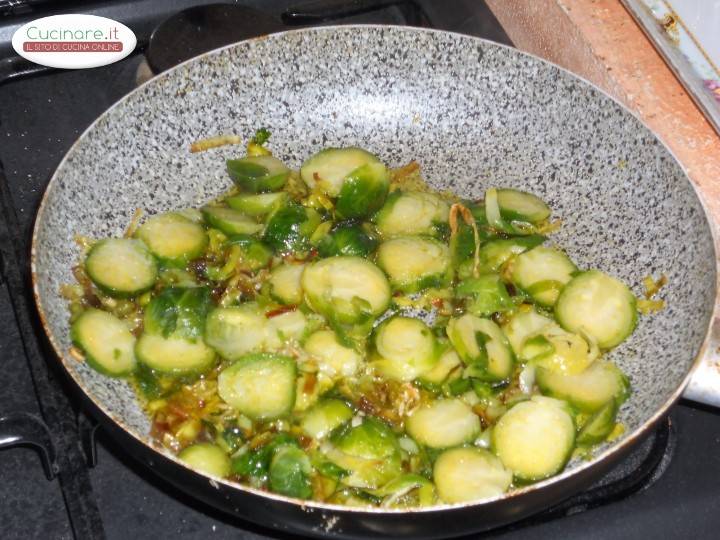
pixel 474 114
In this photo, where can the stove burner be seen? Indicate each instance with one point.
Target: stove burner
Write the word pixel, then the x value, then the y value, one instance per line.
pixel 200 29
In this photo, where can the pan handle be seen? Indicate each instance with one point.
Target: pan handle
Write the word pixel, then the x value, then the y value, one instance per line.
pixel 704 385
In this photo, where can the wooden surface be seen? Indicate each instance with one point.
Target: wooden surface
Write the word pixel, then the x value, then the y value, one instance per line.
pixel 599 40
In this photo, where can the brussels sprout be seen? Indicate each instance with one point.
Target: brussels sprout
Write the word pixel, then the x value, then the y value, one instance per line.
pixel 363 192
pixel 369 452
pixel 180 312
pixel 406 348
pixel 285 284
pixel 335 360
pixel 255 464
pixel 324 417
pixel 260 386
pixel 483 346
pixel 444 423
pixel 495 253
pixel 408 490
pixel 290 470
pixel 356 177
pixel 289 229
pixel 257 205
pixel 206 458
pixel 411 212
pixel 347 239
pixel 254 253
pixel 258 174
pixel 414 263
pixel 469 474
pixel 173 239
pixel 346 290
pixel 485 295
pixel 230 221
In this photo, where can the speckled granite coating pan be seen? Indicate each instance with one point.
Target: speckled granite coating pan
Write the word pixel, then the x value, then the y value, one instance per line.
pixel 472 113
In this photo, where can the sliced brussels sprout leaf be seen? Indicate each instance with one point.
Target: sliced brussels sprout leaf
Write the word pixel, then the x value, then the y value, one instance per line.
pixel 482 346
pixel 406 491
pixel 485 295
pixel 258 204
pixel 230 221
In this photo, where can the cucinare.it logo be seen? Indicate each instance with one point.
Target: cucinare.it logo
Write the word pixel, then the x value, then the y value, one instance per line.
pixel 74 41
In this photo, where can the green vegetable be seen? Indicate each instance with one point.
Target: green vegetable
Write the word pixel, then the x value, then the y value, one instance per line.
pixel 542 272
pixel 289 229
pixel 347 290
pixel 257 205
pixel 469 474
pixel 600 305
pixel 206 458
pixel 589 390
pixel 106 342
pixel 324 417
pixel 261 386
pixel 406 348
pixel 261 136
pixel 258 174
pixel 230 221
pixel 411 212
pixel 354 176
pixel 178 311
pixel 173 354
pixel 347 239
pixel 173 238
pixel 369 452
pixel 485 295
pixel 535 438
pixel 495 253
pixel 414 263
pixel 482 346
pixel 334 359
pixel 290 470
pixel 121 267
pixel 254 254
pixel 518 205
pixel 407 490
pixel 285 285
pixel 442 424
pixel 597 428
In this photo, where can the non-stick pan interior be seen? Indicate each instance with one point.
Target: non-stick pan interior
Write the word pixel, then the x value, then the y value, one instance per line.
pixel 472 113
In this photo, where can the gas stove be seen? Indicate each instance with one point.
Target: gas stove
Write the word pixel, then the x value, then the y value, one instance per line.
pixel 78 484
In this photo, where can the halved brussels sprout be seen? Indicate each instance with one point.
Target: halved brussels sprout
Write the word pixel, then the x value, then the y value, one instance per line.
pixel 207 458
pixel 444 423
pixel 260 386
pixel 324 417
pixel 285 284
pixel 257 205
pixel 469 474
pixel 356 177
pixel 288 229
pixel 347 239
pixel 369 452
pixel 482 346
pixel 414 263
pixel 258 174
pixel 335 360
pixel 346 289
pixel 406 348
pixel 411 212
pixel 230 221
pixel 173 238
pixel 542 272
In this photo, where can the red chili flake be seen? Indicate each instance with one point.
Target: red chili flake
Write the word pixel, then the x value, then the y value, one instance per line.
pixel 279 311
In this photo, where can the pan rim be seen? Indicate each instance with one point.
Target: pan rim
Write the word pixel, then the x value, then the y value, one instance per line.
pixel 606 454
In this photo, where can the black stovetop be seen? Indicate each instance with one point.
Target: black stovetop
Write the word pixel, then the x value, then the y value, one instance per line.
pixel 40 118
